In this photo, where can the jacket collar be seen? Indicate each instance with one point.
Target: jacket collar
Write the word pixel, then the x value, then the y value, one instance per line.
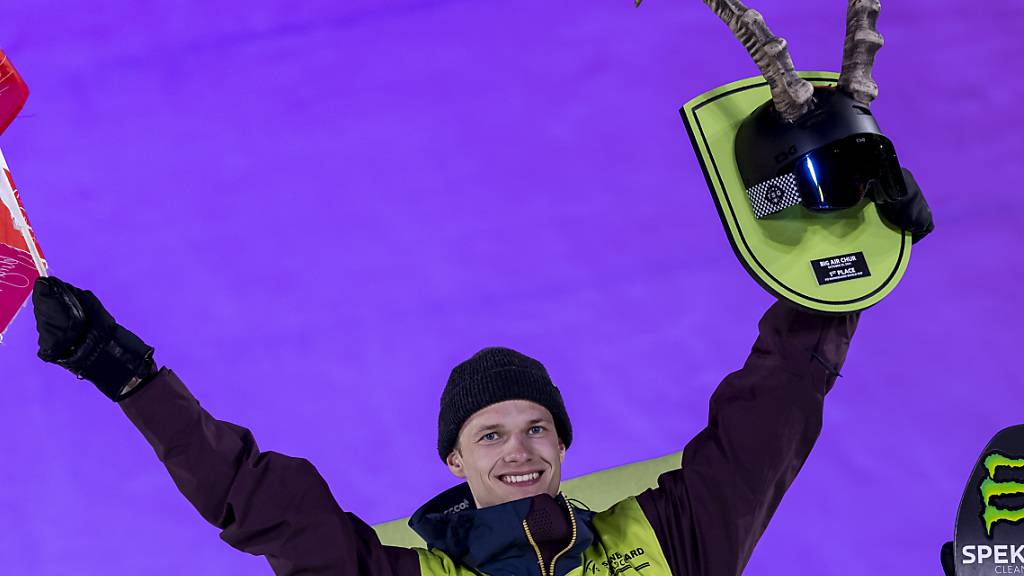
pixel 491 540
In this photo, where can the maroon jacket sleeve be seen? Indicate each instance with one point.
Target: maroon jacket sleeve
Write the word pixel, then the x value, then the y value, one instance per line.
pixel 763 421
pixel 265 503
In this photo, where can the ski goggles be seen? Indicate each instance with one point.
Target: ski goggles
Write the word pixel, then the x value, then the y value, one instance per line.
pixel 833 177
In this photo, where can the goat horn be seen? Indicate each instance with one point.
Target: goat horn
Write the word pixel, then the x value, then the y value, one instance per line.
pixel 792 94
pixel 862 42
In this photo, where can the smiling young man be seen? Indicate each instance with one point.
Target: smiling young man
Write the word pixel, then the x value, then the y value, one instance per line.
pixel 504 429
pixel 507 451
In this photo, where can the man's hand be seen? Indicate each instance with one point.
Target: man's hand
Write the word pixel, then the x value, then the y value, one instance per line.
pixel 77 332
pixel 911 212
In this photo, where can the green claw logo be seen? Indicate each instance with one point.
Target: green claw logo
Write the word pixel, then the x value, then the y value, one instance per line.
pixel 989 489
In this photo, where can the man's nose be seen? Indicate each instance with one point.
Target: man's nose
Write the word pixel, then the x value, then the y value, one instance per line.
pixel 517 450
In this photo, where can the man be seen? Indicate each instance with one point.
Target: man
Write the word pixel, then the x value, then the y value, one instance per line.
pixel 503 428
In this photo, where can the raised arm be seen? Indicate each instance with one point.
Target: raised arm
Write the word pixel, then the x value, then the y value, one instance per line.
pixel 265 503
pixel 763 421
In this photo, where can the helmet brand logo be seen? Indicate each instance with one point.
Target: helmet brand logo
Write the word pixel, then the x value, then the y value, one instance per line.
pixel 785 154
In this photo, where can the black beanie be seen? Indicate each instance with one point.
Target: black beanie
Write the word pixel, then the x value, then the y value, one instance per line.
pixel 495 375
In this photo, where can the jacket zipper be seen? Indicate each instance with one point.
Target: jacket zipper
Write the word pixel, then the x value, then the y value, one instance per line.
pixel 536 548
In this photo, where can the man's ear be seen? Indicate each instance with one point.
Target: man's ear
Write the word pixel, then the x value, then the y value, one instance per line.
pixel 561 452
pixel 454 461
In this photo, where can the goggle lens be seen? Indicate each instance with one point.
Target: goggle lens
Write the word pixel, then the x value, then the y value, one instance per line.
pixel 839 175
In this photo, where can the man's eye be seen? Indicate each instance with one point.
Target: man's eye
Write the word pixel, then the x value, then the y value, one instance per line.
pixel 489 437
pixel 536 429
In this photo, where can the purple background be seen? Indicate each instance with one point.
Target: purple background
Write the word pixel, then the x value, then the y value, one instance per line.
pixel 314 210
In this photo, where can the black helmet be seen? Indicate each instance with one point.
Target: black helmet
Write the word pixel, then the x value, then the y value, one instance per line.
pixel 828 159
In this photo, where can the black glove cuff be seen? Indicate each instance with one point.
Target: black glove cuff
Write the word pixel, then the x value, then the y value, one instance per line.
pixel 115 361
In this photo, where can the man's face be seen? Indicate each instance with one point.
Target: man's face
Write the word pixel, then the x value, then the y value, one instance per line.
pixel 507 451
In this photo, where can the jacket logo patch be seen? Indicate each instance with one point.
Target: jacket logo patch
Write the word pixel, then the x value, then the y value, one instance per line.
pixel 618 563
pixel 457 508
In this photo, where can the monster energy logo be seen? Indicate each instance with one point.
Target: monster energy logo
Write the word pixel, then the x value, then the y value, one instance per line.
pixel 990 488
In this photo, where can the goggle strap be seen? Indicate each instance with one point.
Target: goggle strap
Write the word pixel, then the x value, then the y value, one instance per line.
pixel 774 195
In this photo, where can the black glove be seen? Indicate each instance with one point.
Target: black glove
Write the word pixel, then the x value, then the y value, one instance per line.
pixel 910 213
pixel 77 332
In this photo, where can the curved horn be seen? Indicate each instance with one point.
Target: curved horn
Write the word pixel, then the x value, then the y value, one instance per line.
pixel 862 42
pixel 791 94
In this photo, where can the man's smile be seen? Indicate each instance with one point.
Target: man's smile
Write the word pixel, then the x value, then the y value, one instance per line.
pixel 521 480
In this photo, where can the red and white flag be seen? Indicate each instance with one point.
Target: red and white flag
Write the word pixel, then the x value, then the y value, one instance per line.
pixel 21 260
